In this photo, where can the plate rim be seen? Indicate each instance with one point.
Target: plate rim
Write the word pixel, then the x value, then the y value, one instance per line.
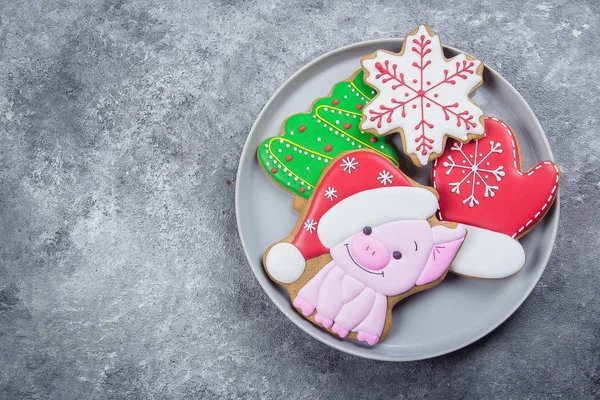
pixel 263 280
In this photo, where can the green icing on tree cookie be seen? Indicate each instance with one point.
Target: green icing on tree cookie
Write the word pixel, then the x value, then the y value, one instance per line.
pixel 295 160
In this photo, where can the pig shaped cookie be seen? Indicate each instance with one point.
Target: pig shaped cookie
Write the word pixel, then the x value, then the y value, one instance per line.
pixel 367 238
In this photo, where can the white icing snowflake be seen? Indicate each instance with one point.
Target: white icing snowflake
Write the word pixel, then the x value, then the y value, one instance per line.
pixel 309 225
pixel 349 164
pixel 385 177
pixel 423 94
pixel 330 193
pixel 475 174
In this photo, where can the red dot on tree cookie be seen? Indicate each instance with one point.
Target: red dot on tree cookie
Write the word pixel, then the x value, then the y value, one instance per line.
pixel 328 148
pixel 302 190
pixel 428 82
pixel 373 140
pixel 273 170
pixel 335 102
pixel 414 81
pixel 347 126
pixel 302 128
pixel 288 158
pixel 359 106
pixel 414 106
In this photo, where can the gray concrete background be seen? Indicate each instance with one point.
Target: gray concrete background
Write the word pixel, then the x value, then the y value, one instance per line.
pixel 121 271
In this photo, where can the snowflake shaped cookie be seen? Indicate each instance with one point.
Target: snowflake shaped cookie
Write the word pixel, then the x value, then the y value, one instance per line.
pixel 423 96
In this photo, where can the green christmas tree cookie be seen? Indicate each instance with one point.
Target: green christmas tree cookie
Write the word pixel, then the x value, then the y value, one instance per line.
pixel 309 141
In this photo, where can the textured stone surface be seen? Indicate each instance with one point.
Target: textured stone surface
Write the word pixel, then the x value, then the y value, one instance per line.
pixel 121 271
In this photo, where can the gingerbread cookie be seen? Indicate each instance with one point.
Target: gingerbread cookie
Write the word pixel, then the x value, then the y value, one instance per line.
pixel 309 141
pixel 481 186
pixel 367 239
pixel 423 96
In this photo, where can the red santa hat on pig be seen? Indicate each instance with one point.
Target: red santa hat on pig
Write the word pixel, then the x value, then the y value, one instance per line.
pixel 359 189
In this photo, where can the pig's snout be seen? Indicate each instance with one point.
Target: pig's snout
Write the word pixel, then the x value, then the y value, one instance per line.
pixel 369 252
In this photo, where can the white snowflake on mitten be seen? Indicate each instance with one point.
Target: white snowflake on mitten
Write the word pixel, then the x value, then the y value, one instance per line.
pixel 475 172
pixel 423 95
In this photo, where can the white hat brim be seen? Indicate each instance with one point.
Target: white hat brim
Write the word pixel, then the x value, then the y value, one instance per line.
pixel 374 207
pixel 487 254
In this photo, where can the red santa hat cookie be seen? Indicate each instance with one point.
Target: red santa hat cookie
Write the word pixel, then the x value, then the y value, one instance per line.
pixel 481 186
pixel 359 189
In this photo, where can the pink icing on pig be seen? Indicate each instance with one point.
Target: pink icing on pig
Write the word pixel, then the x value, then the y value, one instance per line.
pixel 350 293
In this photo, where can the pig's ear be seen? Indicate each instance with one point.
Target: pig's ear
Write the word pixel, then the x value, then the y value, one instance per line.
pixel 446 242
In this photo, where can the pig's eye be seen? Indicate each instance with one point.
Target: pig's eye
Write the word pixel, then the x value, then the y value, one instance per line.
pixel 397 255
pixel 367 230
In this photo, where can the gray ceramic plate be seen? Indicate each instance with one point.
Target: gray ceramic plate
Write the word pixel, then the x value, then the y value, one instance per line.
pixel 460 310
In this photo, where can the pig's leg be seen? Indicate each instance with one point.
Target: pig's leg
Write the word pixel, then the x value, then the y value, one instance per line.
pixel 354 312
pixel 369 330
pixel 308 295
pixel 330 297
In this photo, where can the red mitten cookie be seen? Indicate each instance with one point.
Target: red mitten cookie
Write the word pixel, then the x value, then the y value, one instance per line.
pixel 481 185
